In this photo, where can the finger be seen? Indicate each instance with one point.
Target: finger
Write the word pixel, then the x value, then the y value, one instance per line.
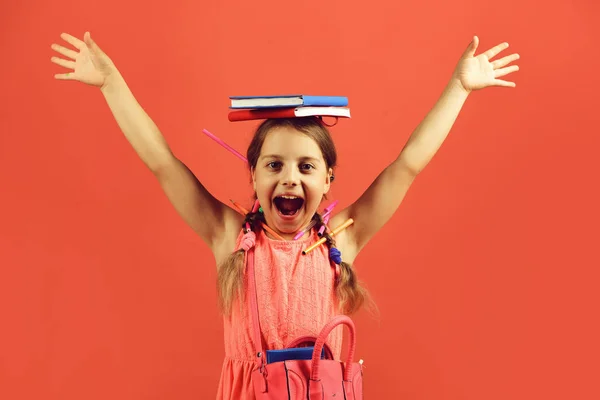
pixel 472 47
pixel 78 44
pixel 500 82
pixel 505 61
pixel 495 50
pixel 91 44
pixel 63 63
pixel 69 76
pixel 505 71
pixel 64 51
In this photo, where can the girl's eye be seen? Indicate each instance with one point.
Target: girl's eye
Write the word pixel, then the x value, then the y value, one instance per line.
pixel 274 164
pixel 306 167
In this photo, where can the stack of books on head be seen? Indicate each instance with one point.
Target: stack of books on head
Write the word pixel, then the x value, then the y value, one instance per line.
pixel 244 108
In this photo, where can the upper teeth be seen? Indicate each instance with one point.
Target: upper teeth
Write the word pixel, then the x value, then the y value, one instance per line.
pixel 289 197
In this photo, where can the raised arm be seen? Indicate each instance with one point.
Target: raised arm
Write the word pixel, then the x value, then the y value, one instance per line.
pixel 383 197
pixel 206 215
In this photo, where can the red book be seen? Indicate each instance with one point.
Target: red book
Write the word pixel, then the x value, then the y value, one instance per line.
pixel 288 112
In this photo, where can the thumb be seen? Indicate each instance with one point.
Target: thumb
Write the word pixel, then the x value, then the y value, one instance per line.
pixel 470 51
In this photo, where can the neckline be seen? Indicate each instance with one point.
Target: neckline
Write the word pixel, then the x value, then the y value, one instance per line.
pixel 307 238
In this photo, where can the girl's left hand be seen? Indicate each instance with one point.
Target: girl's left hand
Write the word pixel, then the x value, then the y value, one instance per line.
pixel 477 72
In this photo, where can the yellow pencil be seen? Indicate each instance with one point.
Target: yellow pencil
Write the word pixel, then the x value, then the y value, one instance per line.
pixel 243 211
pixel 337 230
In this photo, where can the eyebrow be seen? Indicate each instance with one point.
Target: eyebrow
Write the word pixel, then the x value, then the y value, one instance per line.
pixel 300 158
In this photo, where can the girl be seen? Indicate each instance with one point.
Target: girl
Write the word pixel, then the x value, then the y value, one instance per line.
pixel 291 162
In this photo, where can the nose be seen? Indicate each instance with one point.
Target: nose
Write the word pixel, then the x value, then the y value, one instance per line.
pixel 291 177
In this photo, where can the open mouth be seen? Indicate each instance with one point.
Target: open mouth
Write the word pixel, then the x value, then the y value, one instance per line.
pixel 288 205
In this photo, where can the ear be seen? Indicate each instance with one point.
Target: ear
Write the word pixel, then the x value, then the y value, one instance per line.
pixel 253 172
pixel 328 180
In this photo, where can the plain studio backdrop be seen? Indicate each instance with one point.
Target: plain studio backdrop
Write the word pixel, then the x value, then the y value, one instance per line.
pixel 486 278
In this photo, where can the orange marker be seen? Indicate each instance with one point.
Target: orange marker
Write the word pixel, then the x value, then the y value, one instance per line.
pixel 240 209
pixel 337 230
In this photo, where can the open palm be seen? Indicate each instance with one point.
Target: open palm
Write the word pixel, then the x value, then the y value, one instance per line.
pixel 89 64
pixel 478 72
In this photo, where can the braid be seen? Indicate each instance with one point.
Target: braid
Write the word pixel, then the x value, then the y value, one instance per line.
pixel 254 219
pixel 230 275
pixel 349 291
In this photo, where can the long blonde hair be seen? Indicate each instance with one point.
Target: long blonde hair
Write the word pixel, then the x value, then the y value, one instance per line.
pixel 350 293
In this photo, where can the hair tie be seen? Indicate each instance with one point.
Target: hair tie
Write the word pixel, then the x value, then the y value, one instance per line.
pixel 335 255
pixel 248 241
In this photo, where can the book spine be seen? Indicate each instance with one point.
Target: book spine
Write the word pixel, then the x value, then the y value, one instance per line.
pixel 334 101
pixel 246 115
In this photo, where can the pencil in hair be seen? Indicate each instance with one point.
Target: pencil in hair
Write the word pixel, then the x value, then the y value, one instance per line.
pixel 243 211
pixel 239 208
pixel 271 231
pixel 337 230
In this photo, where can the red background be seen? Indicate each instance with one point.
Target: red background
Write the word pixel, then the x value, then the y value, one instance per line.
pixel 486 278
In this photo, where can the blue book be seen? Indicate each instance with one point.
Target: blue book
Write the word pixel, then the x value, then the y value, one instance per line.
pixel 287 100
pixel 296 353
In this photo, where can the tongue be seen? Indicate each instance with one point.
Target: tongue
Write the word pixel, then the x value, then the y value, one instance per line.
pixel 288 206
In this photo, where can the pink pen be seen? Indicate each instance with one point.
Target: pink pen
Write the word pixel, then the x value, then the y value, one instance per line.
pixel 325 221
pixel 222 143
pixel 325 217
pixel 328 211
pixel 330 207
pixel 303 231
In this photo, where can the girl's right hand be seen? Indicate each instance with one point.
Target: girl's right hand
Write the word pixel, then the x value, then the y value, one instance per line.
pixel 90 64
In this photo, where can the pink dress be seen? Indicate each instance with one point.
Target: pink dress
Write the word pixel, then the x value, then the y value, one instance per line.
pixel 296 298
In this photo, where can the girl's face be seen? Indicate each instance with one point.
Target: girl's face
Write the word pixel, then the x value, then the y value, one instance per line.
pixel 290 179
